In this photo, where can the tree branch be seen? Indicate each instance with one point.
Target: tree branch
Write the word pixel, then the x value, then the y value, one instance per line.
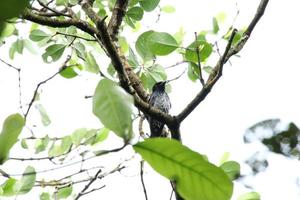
pixel 116 19
pixel 58 23
pixel 217 73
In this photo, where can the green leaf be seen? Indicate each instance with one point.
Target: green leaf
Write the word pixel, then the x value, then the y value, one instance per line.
pixel 101 135
pixel 208 69
pixel 142 46
pixel 8 187
pixel 179 35
pixel 135 13
pixel 12 8
pixel 80 50
pixel 168 9
pixel 193 71
pixel 7 30
pixel 132 59
pixel 63 147
pixel 38 35
pixel 69 72
pixel 54 51
pixel 1 191
pixel 12 187
pixel 205 50
pixel 19 46
pixel 250 196
pixel 195 177
pixel 161 43
pixel 91 64
pixel 41 144
pixel 130 22
pixel 44 116
pixel 45 196
pixel 11 130
pixel 149 5
pixel 27 181
pixel 24 144
pixel 232 169
pixel 113 106
pixel 123 44
pixel 216 27
pixel 64 193
pixel 153 75
pixel 12 50
pixel 78 135
pixel 61 2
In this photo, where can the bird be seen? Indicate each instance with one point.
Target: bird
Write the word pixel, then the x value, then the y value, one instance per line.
pixel 159 99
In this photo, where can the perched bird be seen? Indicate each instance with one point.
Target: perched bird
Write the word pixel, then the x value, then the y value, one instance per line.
pixel 160 100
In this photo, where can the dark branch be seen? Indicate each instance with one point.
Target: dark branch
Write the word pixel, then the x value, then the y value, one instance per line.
pixel 142 179
pixel 58 23
pixel 57 12
pixel 217 73
pixel 116 19
pixel 210 83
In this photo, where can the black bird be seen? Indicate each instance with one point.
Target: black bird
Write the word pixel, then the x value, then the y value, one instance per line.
pixel 160 100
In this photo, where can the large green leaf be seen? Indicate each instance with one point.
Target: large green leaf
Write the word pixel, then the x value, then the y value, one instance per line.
pixel 142 46
pixel 153 75
pixel 113 107
pixel 195 177
pixel 11 130
pixel 149 5
pixel 54 51
pixel 161 43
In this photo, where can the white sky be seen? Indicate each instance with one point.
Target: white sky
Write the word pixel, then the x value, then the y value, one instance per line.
pixel 263 83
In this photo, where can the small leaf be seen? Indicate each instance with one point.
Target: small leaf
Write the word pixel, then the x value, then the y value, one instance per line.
pixel 45 196
pixel 205 50
pixel 161 43
pixel 11 130
pixel 8 187
pixel 113 107
pixel 24 144
pixel 149 5
pixel 153 75
pixel 63 193
pixel 7 30
pixel 69 72
pixel 38 35
pixel 123 44
pixel 41 144
pixel 44 116
pixel 20 46
pixel 216 27
pixel 132 59
pixel 135 13
pixel 193 71
pixel 232 169
pixel 54 51
pixel 168 9
pixel 195 177
pixel 27 181
pixel 91 64
pixel 78 135
pixel 63 147
pixel 80 50
pixel 101 135
pixel 250 196
pixel 208 69
pixel 142 46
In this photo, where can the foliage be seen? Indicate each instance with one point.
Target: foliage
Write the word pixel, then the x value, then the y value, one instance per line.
pixel 79 35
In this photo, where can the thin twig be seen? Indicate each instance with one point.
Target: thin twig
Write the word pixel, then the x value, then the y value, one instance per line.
pixel 176 64
pixel 75 36
pixel 43 82
pixel 199 61
pixel 142 179
pixel 53 10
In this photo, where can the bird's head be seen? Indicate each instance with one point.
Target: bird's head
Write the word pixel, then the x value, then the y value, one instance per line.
pixel 159 86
